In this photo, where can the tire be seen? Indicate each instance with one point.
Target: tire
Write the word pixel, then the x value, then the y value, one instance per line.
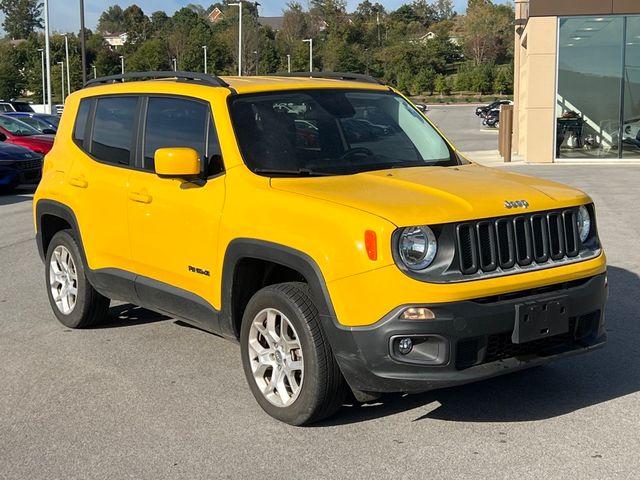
pixel 64 269
pixel 316 389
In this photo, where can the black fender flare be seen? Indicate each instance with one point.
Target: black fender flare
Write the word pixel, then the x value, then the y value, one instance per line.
pixel 56 209
pixel 242 248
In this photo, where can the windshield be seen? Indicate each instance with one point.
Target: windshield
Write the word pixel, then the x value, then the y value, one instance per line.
pixel 334 132
pixel 22 107
pixel 17 127
pixel 52 119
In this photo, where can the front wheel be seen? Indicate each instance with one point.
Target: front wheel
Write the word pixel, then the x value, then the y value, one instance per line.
pixel 286 356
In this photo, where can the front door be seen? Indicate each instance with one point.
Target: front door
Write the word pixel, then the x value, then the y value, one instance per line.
pixel 173 223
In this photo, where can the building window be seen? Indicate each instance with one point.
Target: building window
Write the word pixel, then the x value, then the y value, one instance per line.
pixel 598 98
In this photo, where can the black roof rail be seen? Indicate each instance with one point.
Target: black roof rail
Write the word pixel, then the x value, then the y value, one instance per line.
pixel 202 78
pixel 357 77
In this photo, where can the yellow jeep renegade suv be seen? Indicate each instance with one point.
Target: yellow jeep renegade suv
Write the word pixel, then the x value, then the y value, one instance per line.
pixel 321 221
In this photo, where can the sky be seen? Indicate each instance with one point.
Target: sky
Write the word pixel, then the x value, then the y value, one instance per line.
pixel 65 17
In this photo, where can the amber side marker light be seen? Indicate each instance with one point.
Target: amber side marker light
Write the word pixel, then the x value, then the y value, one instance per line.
pixel 417 313
pixel 371 244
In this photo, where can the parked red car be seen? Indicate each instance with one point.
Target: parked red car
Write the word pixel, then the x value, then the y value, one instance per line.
pixel 19 133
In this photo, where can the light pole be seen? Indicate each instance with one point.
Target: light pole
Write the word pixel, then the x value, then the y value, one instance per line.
pixel 288 63
pixel 62 78
pixel 47 49
pixel 95 72
pixel 44 87
pixel 175 64
pixel 239 5
pixel 66 49
pixel 310 42
pixel 204 47
pixel 122 65
pixel 83 46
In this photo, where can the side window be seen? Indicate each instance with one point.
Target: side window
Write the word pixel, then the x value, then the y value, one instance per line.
pixel 174 122
pixel 81 121
pixel 4 107
pixel 113 129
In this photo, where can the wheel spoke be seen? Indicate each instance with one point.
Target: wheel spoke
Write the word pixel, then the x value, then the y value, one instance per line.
pixel 271 325
pixel 276 362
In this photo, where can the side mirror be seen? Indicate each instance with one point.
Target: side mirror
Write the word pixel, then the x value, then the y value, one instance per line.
pixel 177 162
pixel 3 137
pixel 48 131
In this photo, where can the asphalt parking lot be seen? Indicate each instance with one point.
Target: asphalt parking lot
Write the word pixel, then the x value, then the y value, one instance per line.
pixel 146 397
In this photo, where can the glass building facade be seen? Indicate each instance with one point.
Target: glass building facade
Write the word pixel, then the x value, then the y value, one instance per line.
pixel 598 88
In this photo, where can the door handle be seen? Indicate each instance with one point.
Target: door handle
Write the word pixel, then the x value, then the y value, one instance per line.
pixel 79 182
pixel 140 197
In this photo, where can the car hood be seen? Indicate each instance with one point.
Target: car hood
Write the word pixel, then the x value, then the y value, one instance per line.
pixel 435 195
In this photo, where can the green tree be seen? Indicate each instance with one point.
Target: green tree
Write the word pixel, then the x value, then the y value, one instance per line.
pixel 11 84
pixel 149 56
pixel 442 85
pixel 503 80
pixel 488 32
pixel 21 17
pixel 424 81
pixel 112 20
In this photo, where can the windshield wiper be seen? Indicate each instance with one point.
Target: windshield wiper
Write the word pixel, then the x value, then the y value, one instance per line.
pixel 301 172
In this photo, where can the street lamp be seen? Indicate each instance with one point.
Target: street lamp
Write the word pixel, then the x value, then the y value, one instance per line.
pixel 95 72
pixel 122 65
pixel 83 47
pixel 66 49
pixel 44 88
pixel 288 63
pixel 204 47
pixel 175 64
pixel 310 42
pixel 47 49
pixel 239 5
pixel 62 83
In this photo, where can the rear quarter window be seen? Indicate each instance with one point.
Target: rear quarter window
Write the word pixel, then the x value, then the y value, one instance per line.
pixel 82 122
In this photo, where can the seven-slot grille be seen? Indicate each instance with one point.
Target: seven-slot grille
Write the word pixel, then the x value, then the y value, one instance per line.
pixel 486 245
pixel 26 165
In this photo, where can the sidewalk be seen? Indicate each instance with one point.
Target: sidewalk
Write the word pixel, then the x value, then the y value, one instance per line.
pixel 491 158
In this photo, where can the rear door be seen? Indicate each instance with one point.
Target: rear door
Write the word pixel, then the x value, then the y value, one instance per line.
pixel 98 178
pixel 173 223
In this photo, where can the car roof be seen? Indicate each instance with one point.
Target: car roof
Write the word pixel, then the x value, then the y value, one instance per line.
pixel 240 85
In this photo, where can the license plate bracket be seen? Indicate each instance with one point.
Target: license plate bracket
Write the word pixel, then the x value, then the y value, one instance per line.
pixel 540 319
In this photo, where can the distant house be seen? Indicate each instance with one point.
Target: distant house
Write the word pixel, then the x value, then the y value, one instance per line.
pixel 455 39
pixel 115 40
pixel 215 16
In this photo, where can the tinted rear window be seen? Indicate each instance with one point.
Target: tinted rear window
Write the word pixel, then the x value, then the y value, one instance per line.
pixel 81 121
pixel 113 129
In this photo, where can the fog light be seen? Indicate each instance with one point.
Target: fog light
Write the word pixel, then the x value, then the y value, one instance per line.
pixel 417 313
pixel 405 345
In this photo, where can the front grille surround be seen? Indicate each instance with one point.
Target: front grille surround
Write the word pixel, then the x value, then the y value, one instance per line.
pixel 506 245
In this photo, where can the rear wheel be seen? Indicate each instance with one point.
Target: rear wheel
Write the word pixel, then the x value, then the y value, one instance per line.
pixel 73 299
pixel 286 356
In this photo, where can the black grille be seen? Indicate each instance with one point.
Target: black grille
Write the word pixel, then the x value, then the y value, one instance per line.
pixel 522 240
pixel 28 164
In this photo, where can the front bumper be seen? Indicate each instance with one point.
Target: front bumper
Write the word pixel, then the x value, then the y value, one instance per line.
pixel 12 177
pixel 473 340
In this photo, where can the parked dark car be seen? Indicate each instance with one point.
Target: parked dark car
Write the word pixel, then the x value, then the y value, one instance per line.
pixel 18 165
pixel 47 124
pixel 482 111
pixel 12 106
pixel 19 133
pixel 491 118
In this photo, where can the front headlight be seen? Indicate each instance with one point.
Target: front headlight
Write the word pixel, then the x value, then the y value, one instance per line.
pixel 584 223
pixel 417 247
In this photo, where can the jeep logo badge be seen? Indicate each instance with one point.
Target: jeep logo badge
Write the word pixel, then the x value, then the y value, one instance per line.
pixel 516 204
